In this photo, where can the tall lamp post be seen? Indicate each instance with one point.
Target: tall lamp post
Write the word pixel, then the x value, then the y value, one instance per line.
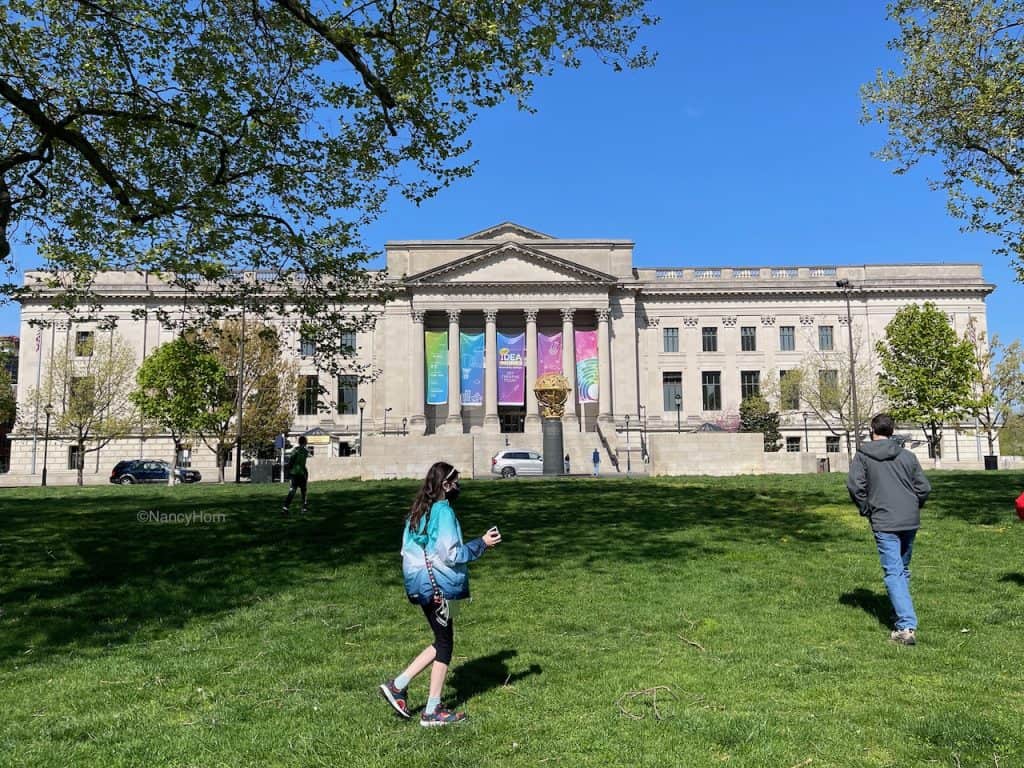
pixel 846 287
pixel 629 464
pixel 46 437
pixel 362 404
pixel 679 409
pixel 807 439
pixel 386 421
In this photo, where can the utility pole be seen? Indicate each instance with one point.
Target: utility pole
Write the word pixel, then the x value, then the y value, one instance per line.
pixel 846 286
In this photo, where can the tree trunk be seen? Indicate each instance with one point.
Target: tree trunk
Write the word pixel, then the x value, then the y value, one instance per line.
pixel 174 463
pixel 221 462
pixel 80 461
pixel 990 435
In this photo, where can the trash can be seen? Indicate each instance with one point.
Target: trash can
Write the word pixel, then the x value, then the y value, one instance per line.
pixel 991 462
pixel 261 473
pixel 823 465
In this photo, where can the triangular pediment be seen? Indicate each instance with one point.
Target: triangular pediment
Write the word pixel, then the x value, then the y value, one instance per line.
pixel 507 230
pixel 510 263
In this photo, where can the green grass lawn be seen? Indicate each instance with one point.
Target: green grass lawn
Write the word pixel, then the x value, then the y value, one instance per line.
pixel 691 622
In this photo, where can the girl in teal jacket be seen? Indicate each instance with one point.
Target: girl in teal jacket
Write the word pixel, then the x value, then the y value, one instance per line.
pixel 434 569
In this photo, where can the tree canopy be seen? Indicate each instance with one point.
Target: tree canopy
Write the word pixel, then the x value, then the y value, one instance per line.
pixel 89 388
pixel 182 387
pixel 999 377
pixel 929 375
pixel 239 147
pixel 959 98
pixel 757 416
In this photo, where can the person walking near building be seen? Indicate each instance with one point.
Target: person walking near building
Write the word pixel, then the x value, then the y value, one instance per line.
pixel 565 463
pixel 596 458
pixel 434 568
pixel 889 487
pixel 300 476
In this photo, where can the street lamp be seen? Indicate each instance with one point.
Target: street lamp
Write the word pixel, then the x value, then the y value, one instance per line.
pixel 679 407
pixel 362 404
pixel 386 410
pixel 807 440
pixel 846 287
pixel 629 464
pixel 46 437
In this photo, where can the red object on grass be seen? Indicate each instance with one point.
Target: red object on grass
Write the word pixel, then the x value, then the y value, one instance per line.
pixel 1019 504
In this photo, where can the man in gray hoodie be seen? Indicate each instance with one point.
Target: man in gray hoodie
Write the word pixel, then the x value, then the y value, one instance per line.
pixel 888 486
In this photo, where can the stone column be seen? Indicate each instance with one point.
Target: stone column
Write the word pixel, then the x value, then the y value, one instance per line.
pixel 569 367
pixel 604 368
pixel 491 423
pixel 532 416
pixel 417 417
pixel 453 424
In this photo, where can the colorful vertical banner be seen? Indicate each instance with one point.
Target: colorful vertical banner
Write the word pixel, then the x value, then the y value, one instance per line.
pixel 586 366
pixel 436 348
pixel 549 353
pixel 471 361
pixel 511 369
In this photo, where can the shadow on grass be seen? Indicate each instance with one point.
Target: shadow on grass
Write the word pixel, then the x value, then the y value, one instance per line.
pixel 872 603
pixel 481 675
pixel 984 498
pixel 85 568
pixel 1014 578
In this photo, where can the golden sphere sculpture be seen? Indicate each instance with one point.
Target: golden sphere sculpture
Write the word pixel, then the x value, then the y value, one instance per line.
pixel 551 390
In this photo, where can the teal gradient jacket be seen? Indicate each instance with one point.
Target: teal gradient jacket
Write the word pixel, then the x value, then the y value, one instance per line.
pixel 439 538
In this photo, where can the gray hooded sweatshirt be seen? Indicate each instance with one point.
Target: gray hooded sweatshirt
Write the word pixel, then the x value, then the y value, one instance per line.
pixel 887 484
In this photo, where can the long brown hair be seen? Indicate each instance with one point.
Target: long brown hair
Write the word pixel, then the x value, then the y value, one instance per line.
pixel 432 490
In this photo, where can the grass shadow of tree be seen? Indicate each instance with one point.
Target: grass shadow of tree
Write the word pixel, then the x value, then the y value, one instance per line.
pixel 81 570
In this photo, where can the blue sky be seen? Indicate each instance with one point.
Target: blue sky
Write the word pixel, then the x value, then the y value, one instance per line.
pixel 743 146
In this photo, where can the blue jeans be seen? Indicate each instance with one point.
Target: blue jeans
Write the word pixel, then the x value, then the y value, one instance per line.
pixel 894 550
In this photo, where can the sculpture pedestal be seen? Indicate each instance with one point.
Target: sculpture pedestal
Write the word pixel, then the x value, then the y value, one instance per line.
pixel 554 449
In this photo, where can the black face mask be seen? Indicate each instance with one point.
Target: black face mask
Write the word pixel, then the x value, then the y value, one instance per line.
pixel 453 494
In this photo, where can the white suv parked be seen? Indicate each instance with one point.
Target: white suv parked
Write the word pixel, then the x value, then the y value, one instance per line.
pixel 511 462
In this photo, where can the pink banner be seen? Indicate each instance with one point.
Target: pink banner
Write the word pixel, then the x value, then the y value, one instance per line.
pixel 549 353
pixel 511 369
pixel 586 366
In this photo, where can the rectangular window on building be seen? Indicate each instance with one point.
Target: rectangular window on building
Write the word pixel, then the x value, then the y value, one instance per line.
pixel 787 338
pixel 793 445
pixel 348 394
pixel 828 388
pixel 348 342
pixel 750 384
pixel 307 347
pixel 83 344
pixel 832 443
pixel 789 394
pixel 711 390
pixel 671 339
pixel 825 342
pixel 709 339
pixel 308 395
pixel 671 385
pixel 73 457
pixel 748 338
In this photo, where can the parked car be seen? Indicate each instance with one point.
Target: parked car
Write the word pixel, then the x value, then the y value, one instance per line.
pixel 512 461
pixel 150 471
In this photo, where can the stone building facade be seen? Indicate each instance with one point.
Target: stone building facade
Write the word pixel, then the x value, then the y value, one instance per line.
pixel 708 335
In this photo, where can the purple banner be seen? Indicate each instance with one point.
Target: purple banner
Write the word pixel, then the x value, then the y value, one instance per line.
pixel 586 366
pixel 549 353
pixel 511 370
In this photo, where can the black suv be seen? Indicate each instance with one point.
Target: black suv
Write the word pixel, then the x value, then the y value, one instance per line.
pixel 150 471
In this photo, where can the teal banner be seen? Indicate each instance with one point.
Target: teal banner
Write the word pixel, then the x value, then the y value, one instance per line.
pixel 436 355
pixel 471 361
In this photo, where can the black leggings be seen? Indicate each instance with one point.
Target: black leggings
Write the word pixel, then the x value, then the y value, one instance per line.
pixel 444 637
